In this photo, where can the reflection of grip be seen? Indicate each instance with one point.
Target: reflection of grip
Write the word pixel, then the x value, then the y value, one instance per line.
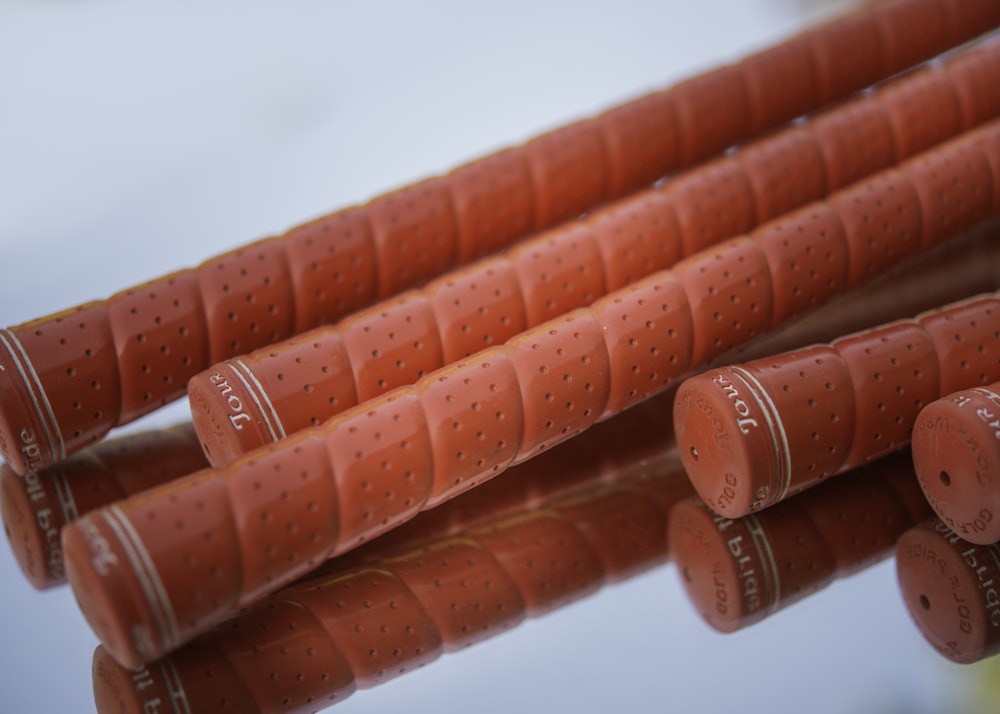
pixel 311 645
pixel 66 379
pixel 956 451
pixel 739 571
pixel 37 505
pixel 952 590
pixel 755 433
pixel 248 401
pixel 243 531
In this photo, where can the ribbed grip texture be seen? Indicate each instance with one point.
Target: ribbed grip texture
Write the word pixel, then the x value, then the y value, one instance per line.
pixel 37 505
pixel 243 531
pixel 739 571
pixel 755 433
pixel 68 378
pixel 312 645
pixel 248 401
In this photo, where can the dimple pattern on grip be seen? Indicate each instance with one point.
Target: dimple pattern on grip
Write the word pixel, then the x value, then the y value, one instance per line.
pixel 807 255
pixel 395 344
pixel 710 109
pixel 730 293
pixel 954 190
pixel 488 302
pixel 356 453
pixel 894 373
pixel 356 627
pixel 558 272
pixel 847 54
pixel 641 139
pixel 475 309
pixel 415 234
pixel 785 175
pixel 247 298
pixel 882 223
pixel 922 112
pixel 334 266
pixel 562 372
pixel 781 83
pixel 855 141
pixel 636 237
pixel 871 384
pixel 493 201
pixel 161 339
pixel 569 170
pixel 319 272
pixel 711 204
pixel 476 423
pixel 967 341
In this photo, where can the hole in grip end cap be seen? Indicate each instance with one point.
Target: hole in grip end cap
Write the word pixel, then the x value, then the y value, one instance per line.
pixel 167 685
pixel 728 452
pixel 143 583
pixel 952 591
pixel 738 572
pixel 956 454
pixel 230 416
pixel 751 435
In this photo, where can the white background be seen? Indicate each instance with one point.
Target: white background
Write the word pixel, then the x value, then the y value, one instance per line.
pixel 137 138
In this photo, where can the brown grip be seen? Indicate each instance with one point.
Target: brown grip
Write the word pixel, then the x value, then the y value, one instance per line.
pixel 142 345
pixel 956 452
pixel 356 626
pixel 755 433
pixel 257 398
pixel 275 514
pixel 37 505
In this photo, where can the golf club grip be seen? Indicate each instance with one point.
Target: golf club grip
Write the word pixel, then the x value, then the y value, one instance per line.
pixel 243 531
pixel 246 402
pixel 66 379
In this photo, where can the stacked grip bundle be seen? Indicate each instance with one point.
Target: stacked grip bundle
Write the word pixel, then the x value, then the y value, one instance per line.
pixel 349 627
pixel 753 434
pixel 68 378
pixel 245 402
pixel 956 451
pixel 245 530
pixel 739 571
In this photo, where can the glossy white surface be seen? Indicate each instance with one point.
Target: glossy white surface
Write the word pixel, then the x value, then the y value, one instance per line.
pixel 136 139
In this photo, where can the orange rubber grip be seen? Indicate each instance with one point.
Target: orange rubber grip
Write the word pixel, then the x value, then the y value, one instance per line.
pixel 356 626
pixel 245 402
pixel 740 571
pixel 68 378
pixel 243 531
pixel 36 506
pixel 956 452
pixel 753 434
